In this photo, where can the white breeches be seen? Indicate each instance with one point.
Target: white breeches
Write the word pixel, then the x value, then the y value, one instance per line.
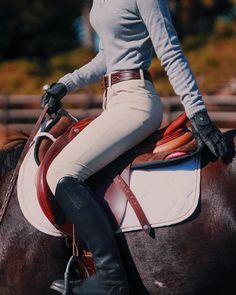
pixel 132 110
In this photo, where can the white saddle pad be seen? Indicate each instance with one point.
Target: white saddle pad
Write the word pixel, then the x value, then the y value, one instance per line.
pixel 168 195
pixel 27 196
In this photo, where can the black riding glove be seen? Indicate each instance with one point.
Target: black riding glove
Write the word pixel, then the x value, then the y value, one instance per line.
pixel 52 97
pixel 206 132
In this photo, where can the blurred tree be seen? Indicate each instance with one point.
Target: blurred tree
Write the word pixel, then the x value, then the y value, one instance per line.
pixel 198 16
pixel 42 28
pixel 88 31
pixel 33 28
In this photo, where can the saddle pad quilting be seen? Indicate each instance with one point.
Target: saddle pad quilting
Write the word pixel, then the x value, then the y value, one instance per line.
pixel 168 195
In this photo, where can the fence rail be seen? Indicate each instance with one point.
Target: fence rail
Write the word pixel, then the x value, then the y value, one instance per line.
pixel 20 112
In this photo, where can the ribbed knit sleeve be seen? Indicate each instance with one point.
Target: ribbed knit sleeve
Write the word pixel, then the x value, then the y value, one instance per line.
pixel 156 17
pixel 89 73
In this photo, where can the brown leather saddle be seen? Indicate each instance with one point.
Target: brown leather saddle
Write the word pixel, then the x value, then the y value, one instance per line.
pixel 164 147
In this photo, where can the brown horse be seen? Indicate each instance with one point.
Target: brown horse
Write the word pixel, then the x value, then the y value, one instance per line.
pixel 195 257
pixel 29 260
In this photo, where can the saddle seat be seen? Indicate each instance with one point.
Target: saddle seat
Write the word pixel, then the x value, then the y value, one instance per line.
pixel 174 142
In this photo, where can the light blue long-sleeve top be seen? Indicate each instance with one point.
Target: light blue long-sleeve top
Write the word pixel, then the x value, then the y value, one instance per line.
pixel 129 30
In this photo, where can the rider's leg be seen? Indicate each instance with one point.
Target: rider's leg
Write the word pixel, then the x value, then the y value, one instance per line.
pixel 124 123
pixel 94 229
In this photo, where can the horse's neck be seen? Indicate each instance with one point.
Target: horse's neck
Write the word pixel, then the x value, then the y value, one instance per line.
pixel 4 184
pixel 9 158
pixel 235 141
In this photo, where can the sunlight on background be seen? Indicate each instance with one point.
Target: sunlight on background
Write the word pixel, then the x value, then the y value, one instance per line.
pixel 43 41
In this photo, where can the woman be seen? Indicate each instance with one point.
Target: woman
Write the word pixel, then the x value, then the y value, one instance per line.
pixel 128 31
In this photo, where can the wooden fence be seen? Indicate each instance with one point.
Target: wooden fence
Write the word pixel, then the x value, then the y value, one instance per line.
pixel 20 112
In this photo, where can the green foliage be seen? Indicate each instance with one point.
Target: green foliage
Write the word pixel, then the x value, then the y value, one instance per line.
pixel 40 30
pixel 212 64
pixel 197 17
pixel 224 28
pixel 37 28
pixel 22 76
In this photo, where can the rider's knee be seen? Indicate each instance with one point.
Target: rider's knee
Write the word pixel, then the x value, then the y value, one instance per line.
pixel 54 174
pixel 58 173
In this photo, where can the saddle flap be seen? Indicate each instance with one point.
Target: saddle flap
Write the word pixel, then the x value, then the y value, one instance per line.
pixel 116 197
pixel 44 194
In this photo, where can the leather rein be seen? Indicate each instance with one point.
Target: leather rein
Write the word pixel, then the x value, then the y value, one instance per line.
pixel 25 150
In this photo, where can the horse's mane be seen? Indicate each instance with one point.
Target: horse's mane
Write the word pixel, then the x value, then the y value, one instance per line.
pixel 10 152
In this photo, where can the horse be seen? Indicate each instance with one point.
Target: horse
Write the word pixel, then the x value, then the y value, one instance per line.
pixel 29 259
pixel 194 257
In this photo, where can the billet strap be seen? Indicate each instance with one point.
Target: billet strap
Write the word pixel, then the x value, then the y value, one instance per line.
pixel 134 203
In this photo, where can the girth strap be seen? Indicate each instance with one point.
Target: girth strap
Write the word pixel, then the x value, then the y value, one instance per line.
pixel 134 203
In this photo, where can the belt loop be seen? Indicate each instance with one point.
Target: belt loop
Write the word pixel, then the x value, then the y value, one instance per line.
pixel 109 80
pixel 141 74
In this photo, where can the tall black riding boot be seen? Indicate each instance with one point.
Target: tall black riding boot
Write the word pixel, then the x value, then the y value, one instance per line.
pixel 94 229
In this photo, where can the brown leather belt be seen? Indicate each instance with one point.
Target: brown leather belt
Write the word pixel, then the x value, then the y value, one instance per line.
pixel 125 76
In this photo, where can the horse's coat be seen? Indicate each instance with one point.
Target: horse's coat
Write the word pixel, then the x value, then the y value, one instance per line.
pixel 197 257
pixel 29 260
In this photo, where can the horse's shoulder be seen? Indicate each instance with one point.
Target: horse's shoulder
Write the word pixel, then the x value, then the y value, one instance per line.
pixel 13 140
pixel 9 155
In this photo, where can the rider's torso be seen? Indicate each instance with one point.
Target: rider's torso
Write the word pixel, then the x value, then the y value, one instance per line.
pixel 123 35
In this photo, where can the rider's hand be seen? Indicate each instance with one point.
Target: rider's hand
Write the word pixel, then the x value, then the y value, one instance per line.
pixel 206 132
pixel 52 97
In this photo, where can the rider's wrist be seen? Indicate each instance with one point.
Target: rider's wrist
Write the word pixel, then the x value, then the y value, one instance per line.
pixel 57 90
